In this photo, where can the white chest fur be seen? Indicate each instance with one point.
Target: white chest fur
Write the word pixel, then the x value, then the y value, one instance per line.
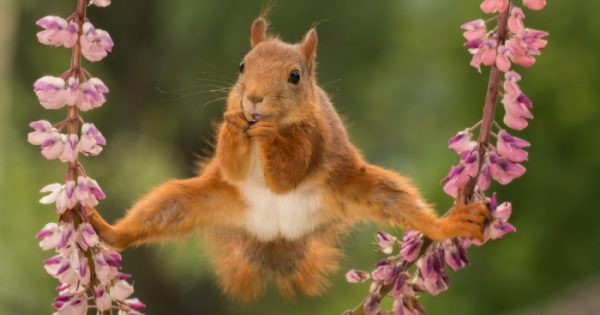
pixel 270 215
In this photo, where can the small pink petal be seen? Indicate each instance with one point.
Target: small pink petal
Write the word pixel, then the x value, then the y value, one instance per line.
pixel 100 3
pixel 534 4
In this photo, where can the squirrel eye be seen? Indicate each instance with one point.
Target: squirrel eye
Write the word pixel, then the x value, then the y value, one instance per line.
pixel 294 77
pixel 242 67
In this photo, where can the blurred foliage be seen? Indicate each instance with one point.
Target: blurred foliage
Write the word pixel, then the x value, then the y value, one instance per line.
pixel 397 72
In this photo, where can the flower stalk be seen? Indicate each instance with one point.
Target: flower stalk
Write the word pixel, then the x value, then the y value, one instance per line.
pixel 489 108
pixel 419 266
pixel 88 271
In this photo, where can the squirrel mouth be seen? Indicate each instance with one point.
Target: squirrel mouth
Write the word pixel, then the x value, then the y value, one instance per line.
pixel 256 118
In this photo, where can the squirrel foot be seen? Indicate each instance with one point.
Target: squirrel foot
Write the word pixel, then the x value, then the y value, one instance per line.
pixel 464 221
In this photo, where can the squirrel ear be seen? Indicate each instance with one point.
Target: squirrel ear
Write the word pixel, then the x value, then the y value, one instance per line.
pixel 258 32
pixel 309 44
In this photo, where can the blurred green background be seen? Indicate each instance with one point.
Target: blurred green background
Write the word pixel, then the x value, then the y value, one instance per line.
pixel 399 74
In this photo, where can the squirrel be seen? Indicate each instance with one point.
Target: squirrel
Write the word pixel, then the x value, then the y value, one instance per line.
pixel 284 185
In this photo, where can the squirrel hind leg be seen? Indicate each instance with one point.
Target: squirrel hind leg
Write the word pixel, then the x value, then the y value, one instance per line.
pixel 241 281
pixel 239 278
pixel 310 275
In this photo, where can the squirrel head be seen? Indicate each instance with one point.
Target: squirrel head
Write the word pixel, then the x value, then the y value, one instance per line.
pixel 277 80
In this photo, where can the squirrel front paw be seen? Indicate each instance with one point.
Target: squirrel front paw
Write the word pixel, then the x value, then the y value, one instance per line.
pixel 236 122
pixel 264 129
pixel 464 221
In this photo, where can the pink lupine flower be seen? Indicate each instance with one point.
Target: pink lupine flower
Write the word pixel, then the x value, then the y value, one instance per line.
pixel 511 147
pixel 95 43
pixel 357 276
pixel 50 92
pixel 42 131
pixel 516 104
pixel 385 272
pixel 66 236
pixel 511 86
pixel 88 192
pixel 100 3
pixel 411 245
pixel 474 30
pixel 60 268
pixel 533 40
pixel 73 94
pixel 135 303
pixel 517 111
pixel 62 195
pixel 455 255
pixel 82 271
pixel 432 276
pixel 519 54
pixel 91 140
pixel 371 305
pixel 455 180
pixel 105 272
pixel 462 142
pixel 71 305
pixel 51 236
pixel 534 4
pixel 86 236
pixel 399 287
pixel 57 32
pixel 484 54
pixel 386 242
pixel 120 290
pixel 93 92
pixel 103 300
pixel 53 146
pixel 503 170
pixel 515 21
pixel 499 225
pixel 485 178
pixel 459 175
pixel 69 152
pixel 526 45
pixel 503 58
pixel 400 307
pixel 491 6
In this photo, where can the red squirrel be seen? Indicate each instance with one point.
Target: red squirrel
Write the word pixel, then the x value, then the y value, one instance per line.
pixel 284 185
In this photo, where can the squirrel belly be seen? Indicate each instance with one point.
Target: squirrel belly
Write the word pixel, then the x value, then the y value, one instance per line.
pixel 268 216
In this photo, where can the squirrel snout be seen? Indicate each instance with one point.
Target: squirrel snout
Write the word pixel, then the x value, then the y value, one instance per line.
pixel 255 98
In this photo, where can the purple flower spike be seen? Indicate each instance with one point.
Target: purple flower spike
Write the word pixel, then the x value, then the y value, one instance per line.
pixel 455 255
pixel 504 171
pixel 135 303
pixel 462 142
pixel 386 242
pixel 411 245
pixel 357 276
pixel 511 148
pixel 371 306
pixel 57 32
pixel 433 278
pixel 385 272
pixel 399 287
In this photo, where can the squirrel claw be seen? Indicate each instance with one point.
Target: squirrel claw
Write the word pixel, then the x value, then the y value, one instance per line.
pixel 465 221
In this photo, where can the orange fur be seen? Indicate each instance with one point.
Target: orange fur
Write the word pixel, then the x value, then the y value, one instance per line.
pixel 302 148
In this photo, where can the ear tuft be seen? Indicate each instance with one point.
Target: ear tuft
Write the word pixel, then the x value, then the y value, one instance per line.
pixel 258 32
pixel 309 44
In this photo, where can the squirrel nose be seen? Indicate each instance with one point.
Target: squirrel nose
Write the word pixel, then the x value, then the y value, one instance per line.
pixel 255 98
